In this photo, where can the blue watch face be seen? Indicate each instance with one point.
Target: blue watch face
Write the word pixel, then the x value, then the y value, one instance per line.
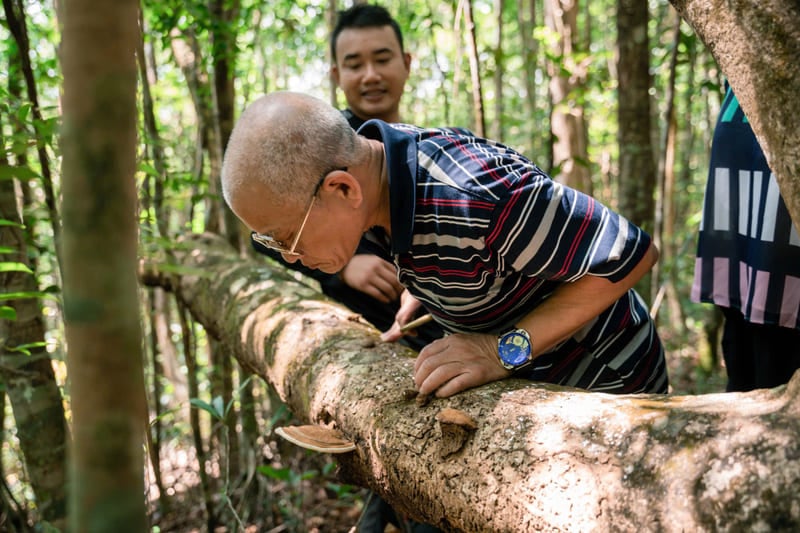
pixel 514 348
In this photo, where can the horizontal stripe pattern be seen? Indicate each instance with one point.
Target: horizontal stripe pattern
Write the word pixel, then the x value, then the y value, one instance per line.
pixel 492 236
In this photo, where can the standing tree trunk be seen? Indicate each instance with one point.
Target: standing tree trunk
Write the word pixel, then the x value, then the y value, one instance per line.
pixel 757 46
pixel 665 203
pixel 570 153
pixel 15 16
pixel 187 55
pixel 26 370
pixel 526 14
pixel 637 171
pixel 499 70
pixel 223 40
pixel 474 68
pixel 541 457
pixel 103 334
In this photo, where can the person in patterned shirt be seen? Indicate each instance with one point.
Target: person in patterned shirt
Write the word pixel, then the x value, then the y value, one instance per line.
pixel 748 258
pixel 480 236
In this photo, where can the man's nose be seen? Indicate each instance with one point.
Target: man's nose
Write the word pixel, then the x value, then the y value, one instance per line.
pixel 371 72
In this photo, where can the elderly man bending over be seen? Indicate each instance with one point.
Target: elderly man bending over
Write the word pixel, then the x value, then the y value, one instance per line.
pixel 529 277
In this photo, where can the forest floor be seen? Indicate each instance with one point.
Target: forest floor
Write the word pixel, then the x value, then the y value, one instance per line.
pixel 296 491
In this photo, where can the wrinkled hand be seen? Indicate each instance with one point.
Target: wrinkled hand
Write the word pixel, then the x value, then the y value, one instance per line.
pixel 458 362
pixel 373 276
pixel 409 307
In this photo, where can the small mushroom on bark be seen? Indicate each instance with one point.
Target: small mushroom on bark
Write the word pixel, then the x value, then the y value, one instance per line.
pixel 317 438
pixel 456 427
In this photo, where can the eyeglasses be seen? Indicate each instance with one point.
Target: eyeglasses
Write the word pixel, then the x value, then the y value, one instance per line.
pixel 280 247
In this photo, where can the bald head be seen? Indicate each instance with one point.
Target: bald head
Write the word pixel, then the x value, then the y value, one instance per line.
pixel 282 143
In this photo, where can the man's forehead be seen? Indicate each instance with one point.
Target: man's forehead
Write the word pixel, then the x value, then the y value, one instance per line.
pixel 259 211
pixel 355 42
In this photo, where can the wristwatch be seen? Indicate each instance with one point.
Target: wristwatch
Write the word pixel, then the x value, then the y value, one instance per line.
pixel 514 349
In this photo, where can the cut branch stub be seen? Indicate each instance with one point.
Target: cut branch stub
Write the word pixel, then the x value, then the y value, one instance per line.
pixel 456 427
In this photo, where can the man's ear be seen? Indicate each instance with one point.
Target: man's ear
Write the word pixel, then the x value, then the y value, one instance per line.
pixel 334 74
pixel 341 185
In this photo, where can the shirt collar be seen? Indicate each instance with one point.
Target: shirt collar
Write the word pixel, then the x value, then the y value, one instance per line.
pixel 401 164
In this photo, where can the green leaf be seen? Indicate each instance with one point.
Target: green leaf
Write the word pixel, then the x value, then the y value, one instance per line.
pixel 11 223
pixel 20 172
pixel 23 295
pixel 26 348
pixel 23 112
pixel 219 406
pixel 7 313
pixel 205 406
pixel 148 169
pixel 281 474
pixel 14 267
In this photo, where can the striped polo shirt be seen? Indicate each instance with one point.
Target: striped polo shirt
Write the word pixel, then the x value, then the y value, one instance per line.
pixel 748 250
pixel 481 236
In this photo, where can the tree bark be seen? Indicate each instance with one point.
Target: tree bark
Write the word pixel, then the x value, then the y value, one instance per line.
pixel 567 80
pixel 101 307
pixel 757 45
pixel 637 169
pixel 474 68
pixel 26 371
pixel 543 457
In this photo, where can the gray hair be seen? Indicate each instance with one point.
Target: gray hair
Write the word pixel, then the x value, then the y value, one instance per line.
pixel 282 144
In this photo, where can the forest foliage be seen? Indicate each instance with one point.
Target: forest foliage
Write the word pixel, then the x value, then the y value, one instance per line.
pixel 200 63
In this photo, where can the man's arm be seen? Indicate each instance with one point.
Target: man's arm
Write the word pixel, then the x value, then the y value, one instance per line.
pixel 462 361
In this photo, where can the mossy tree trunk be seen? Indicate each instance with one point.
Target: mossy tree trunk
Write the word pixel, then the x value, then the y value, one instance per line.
pixel 101 307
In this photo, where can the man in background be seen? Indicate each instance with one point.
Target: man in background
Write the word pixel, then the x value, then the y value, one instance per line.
pixel 371 67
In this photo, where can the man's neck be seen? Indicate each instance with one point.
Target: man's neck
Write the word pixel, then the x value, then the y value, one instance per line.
pixel 379 178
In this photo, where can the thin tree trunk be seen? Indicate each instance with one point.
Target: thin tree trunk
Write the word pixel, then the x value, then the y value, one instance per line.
pixel 170 364
pixel 153 142
pixel 637 172
pixel 26 370
pixel 526 13
pixel 101 305
pixel 570 153
pixel 190 355
pixel 153 430
pixel 223 39
pixel 474 68
pixel 15 17
pixel 499 70
pixel 637 167
pixel 187 55
pixel 664 234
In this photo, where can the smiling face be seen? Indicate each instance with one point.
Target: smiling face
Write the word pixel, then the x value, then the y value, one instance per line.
pixel 371 69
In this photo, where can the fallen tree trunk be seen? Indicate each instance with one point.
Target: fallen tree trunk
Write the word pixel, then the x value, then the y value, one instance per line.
pixel 542 457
